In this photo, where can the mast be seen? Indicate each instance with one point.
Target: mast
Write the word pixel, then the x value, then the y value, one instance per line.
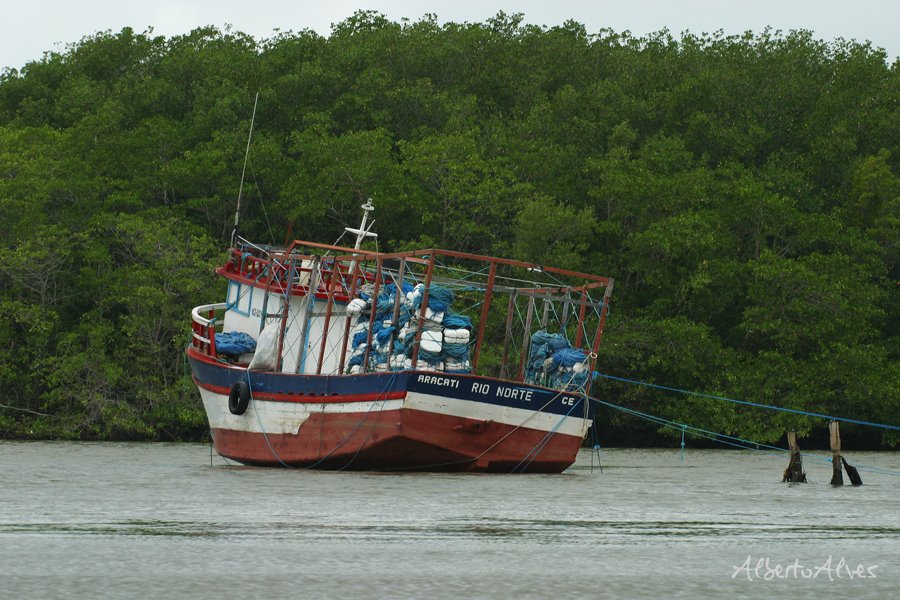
pixel 237 211
pixel 363 232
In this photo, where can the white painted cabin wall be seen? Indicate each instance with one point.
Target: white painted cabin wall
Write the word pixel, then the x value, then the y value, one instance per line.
pixel 246 316
pixel 294 347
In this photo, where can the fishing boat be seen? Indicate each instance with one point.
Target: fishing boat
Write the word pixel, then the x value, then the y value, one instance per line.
pixel 336 357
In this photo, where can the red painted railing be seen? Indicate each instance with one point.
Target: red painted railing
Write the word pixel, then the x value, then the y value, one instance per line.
pixel 203 336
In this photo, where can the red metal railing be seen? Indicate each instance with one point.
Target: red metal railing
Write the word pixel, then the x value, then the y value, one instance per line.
pixel 335 274
pixel 203 336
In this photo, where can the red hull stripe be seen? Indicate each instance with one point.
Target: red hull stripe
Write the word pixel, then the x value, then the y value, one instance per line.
pixel 309 399
pixel 400 440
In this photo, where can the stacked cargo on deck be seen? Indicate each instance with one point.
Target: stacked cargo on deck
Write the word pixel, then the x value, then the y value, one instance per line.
pixel 445 339
pixel 554 363
pixel 444 343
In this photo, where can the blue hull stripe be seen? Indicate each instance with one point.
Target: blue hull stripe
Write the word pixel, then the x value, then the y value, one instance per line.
pixel 463 387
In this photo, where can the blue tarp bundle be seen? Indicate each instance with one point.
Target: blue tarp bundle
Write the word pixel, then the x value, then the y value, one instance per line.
pixel 560 372
pixel 540 338
pixel 234 343
pixel 568 357
pixel 574 381
pixel 458 352
pixel 454 321
pixel 430 357
pixel 385 305
pixel 402 345
pixel 359 339
pixel 439 299
pixel 390 289
pixel 383 337
pixel 543 346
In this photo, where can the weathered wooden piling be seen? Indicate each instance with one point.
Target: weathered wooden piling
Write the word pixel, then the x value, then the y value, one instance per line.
pixel 794 473
pixel 837 477
pixel 852 473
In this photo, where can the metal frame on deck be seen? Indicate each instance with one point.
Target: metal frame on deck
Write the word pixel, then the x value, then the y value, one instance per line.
pixel 282 272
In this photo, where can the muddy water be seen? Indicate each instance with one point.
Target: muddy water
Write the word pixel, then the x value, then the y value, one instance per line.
pixel 170 521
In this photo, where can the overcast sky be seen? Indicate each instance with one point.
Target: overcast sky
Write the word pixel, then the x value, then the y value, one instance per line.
pixel 33 27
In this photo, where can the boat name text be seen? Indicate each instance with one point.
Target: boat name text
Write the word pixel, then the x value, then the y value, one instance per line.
pixel 484 389
pixel 435 380
pixel 503 392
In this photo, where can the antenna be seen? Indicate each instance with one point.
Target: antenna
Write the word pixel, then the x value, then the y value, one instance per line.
pixel 237 212
pixel 362 233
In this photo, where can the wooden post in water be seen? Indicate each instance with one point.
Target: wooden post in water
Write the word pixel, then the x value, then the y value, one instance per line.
pixel 794 473
pixel 852 473
pixel 837 477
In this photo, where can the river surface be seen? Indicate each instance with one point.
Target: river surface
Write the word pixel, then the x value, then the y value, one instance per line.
pixel 114 520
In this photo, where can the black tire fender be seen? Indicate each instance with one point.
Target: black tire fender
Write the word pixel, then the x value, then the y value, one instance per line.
pixel 239 398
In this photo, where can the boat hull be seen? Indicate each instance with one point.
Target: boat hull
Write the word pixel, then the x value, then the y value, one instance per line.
pixel 409 420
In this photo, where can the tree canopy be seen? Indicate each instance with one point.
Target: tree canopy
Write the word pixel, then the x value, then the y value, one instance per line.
pixel 743 191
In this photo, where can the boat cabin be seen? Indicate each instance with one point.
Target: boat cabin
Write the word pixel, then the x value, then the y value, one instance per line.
pixel 319 309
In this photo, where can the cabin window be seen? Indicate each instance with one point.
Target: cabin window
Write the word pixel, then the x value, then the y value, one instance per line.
pixel 239 298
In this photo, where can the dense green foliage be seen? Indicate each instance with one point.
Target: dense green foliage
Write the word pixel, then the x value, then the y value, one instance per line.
pixel 743 191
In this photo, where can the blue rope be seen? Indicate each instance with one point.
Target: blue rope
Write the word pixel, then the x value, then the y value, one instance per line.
pixel 261 428
pixel 333 450
pixel 384 390
pixel 455 321
pixel 596 448
pixel 866 469
pixel 756 404
pixel 704 433
pixel 879 470
pixel 539 447
pixel 722 438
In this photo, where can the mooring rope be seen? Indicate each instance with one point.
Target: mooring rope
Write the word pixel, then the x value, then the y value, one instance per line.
pixel 696 431
pixel 261 428
pixel 755 404
pixel 539 447
pixel 730 440
pixel 371 429
pixel 344 441
pixel 869 469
